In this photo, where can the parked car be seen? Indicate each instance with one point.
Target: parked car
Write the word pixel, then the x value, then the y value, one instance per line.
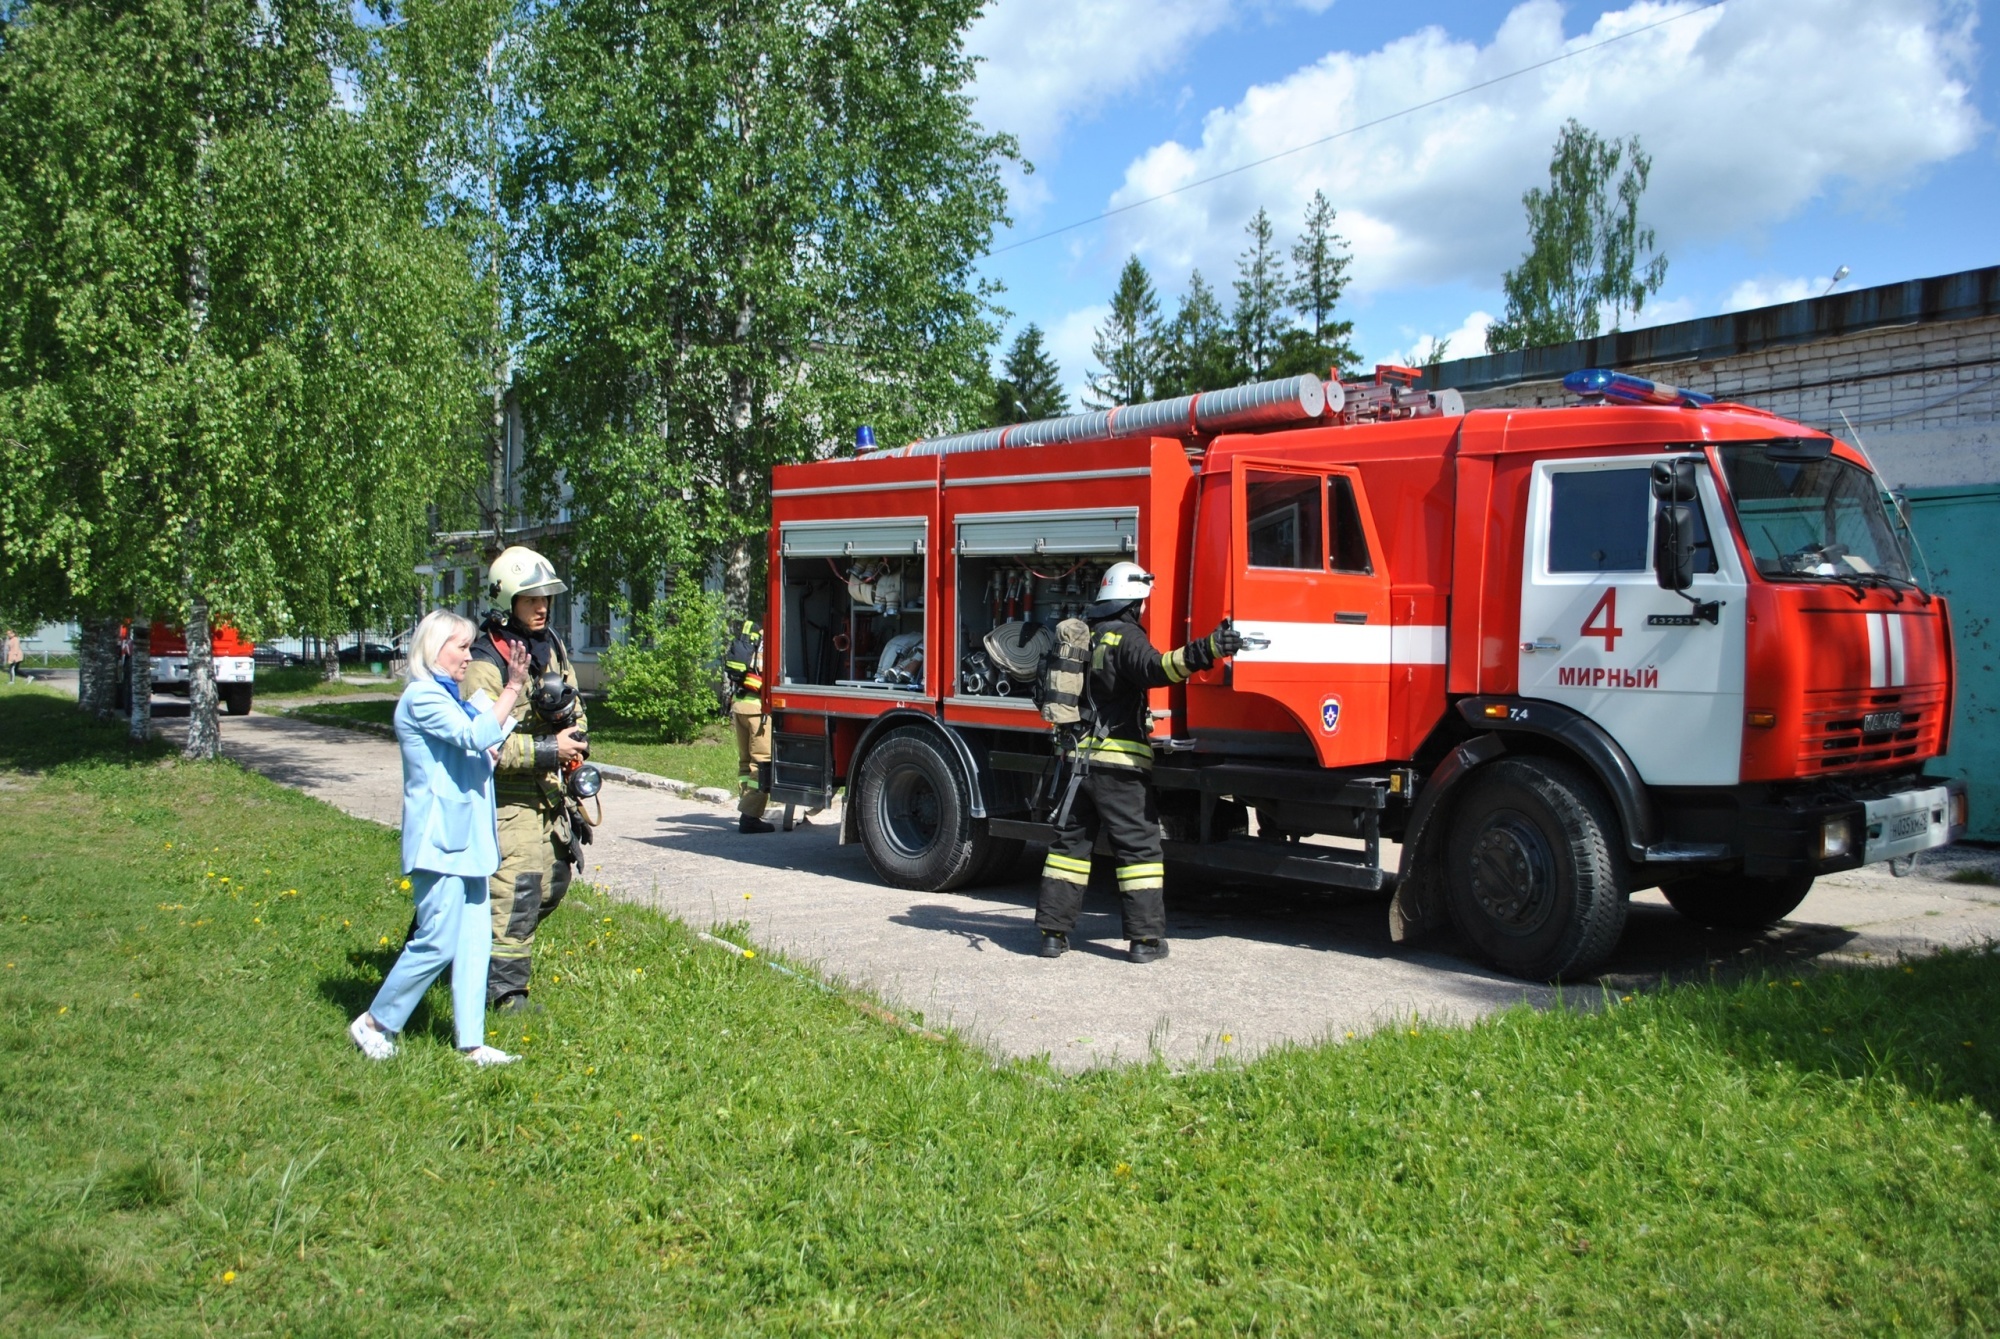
pixel 368 653
pixel 271 657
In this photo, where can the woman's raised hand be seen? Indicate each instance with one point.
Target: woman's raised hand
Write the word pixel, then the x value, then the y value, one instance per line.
pixel 517 664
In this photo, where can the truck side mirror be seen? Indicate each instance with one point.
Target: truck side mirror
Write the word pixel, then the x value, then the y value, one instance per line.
pixel 1673 547
pixel 1673 537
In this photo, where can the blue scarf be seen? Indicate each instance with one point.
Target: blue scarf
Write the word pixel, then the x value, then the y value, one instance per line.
pixel 451 686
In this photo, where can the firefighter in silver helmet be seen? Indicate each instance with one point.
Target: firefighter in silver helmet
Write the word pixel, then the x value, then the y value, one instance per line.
pixel 539 840
pixel 1116 794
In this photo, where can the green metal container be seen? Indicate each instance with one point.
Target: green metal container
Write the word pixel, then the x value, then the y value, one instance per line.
pixel 1959 529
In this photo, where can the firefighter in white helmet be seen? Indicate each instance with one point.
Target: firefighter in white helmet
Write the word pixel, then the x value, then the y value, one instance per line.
pixel 541 831
pixel 1116 794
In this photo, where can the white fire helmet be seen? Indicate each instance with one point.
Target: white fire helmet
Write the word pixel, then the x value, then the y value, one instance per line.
pixel 1125 581
pixel 520 571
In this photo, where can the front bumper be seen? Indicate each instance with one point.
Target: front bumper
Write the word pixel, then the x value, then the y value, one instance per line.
pixel 1786 840
pixel 1913 821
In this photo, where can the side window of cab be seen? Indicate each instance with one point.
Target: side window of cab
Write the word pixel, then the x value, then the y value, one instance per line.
pixel 1601 521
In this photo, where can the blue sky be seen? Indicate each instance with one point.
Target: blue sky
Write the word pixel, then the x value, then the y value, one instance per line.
pixel 1788 137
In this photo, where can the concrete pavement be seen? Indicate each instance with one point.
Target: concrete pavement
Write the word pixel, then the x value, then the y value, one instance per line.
pixel 1251 967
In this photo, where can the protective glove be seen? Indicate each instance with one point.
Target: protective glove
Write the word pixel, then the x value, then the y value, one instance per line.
pixel 1224 642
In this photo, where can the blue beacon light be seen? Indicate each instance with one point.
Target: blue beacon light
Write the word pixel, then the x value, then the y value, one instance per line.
pixel 864 439
pixel 1596 383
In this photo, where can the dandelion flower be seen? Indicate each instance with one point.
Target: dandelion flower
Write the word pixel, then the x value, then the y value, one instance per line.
pixel 404 885
pixel 746 897
pixel 638 1138
pixel 749 952
pixel 383 940
pixel 1228 1037
pixel 1122 1169
pixel 229 1276
pixel 63 1010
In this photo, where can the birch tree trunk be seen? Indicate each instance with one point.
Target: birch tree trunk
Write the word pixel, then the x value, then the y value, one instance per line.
pixel 140 723
pixel 97 665
pixel 204 736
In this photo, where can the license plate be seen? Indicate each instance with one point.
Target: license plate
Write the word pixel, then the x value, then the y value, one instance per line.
pixel 1877 721
pixel 1909 825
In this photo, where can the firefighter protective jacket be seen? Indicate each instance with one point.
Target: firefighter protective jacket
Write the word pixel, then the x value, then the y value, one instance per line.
pixel 528 771
pixel 1123 665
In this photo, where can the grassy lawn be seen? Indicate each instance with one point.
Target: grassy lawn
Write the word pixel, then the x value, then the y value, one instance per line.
pixel 309 681
pixel 709 761
pixel 622 742
pixel 696 1145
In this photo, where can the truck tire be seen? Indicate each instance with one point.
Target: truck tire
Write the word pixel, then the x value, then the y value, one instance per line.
pixel 1003 854
pixel 1736 901
pixel 914 812
pixel 1533 876
pixel 236 697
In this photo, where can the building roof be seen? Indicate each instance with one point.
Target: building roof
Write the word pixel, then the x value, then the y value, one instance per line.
pixel 1950 297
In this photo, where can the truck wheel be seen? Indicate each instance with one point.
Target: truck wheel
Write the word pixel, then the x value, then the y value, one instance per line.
pixel 1533 875
pixel 236 697
pixel 914 811
pixel 1002 855
pixel 1736 901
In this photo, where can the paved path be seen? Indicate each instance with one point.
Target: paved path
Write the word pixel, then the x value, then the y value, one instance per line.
pixel 1251 968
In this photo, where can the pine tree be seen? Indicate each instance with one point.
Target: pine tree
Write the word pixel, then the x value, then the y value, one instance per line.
pixel 1127 344
pixel 1259 319
pixel 1197 348
pixel 1320 260
pixel 1031 386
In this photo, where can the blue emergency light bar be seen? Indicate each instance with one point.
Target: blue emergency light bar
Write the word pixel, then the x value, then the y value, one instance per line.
pixel 1597 384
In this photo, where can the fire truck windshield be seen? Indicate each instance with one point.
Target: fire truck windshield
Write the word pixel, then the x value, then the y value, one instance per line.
pixel 1813 518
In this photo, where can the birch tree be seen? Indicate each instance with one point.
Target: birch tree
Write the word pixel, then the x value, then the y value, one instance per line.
pixel 750 226
pixel 1588 256
pixel 232 351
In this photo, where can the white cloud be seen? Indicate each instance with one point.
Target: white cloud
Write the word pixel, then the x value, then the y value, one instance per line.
pixel 1068 342
pixel 1750 113
pixel 1045 65
pixel 1468 341
pixel 1767 291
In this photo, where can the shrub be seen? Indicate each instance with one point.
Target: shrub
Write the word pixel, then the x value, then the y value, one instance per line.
pixel 665 672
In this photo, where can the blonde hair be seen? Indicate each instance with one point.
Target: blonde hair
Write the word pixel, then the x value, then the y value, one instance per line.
pixel 439 626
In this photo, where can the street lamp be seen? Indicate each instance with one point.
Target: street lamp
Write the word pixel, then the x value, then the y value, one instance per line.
pixel 1832 283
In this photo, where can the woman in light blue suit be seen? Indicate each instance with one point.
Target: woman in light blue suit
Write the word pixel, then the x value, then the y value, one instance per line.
pixel 450 845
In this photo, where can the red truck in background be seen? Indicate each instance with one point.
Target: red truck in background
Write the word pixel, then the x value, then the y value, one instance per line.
pixel 235 671
pixel 1557 654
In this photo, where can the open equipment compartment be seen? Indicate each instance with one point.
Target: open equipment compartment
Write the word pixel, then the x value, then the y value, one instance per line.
pixel 854 594
pixel 1018 575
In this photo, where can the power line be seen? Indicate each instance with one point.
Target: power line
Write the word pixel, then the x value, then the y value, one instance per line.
pixel 1355 130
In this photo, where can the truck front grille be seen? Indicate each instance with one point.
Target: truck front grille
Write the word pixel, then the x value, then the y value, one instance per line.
pixel 1844 728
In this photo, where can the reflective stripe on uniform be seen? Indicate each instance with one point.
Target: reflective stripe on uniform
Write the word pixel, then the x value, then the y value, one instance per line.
pixel 1117 752
pixel 1063 869
pixel 1175 665
pixel 1138 878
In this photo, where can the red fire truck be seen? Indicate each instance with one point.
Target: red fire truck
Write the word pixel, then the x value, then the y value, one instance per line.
pixel 235 671
pixel 1556 654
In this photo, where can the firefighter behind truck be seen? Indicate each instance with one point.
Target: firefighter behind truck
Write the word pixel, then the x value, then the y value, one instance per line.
pixel 540 779
pixel 743 667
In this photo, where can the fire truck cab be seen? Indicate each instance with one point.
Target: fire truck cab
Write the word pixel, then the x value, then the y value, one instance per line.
pixel 1557 654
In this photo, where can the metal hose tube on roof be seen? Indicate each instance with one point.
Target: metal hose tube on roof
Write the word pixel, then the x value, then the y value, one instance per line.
pixel 1262 404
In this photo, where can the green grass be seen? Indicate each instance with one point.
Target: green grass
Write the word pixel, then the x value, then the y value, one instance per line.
pixel 308 681
pixel 709 761
pixel 373 711
pixel 696 1145
pixel 1983 878
pixel 622 742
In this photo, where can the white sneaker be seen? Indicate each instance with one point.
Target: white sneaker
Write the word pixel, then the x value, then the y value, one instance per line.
pixel 489 1055
pixel 373 1041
